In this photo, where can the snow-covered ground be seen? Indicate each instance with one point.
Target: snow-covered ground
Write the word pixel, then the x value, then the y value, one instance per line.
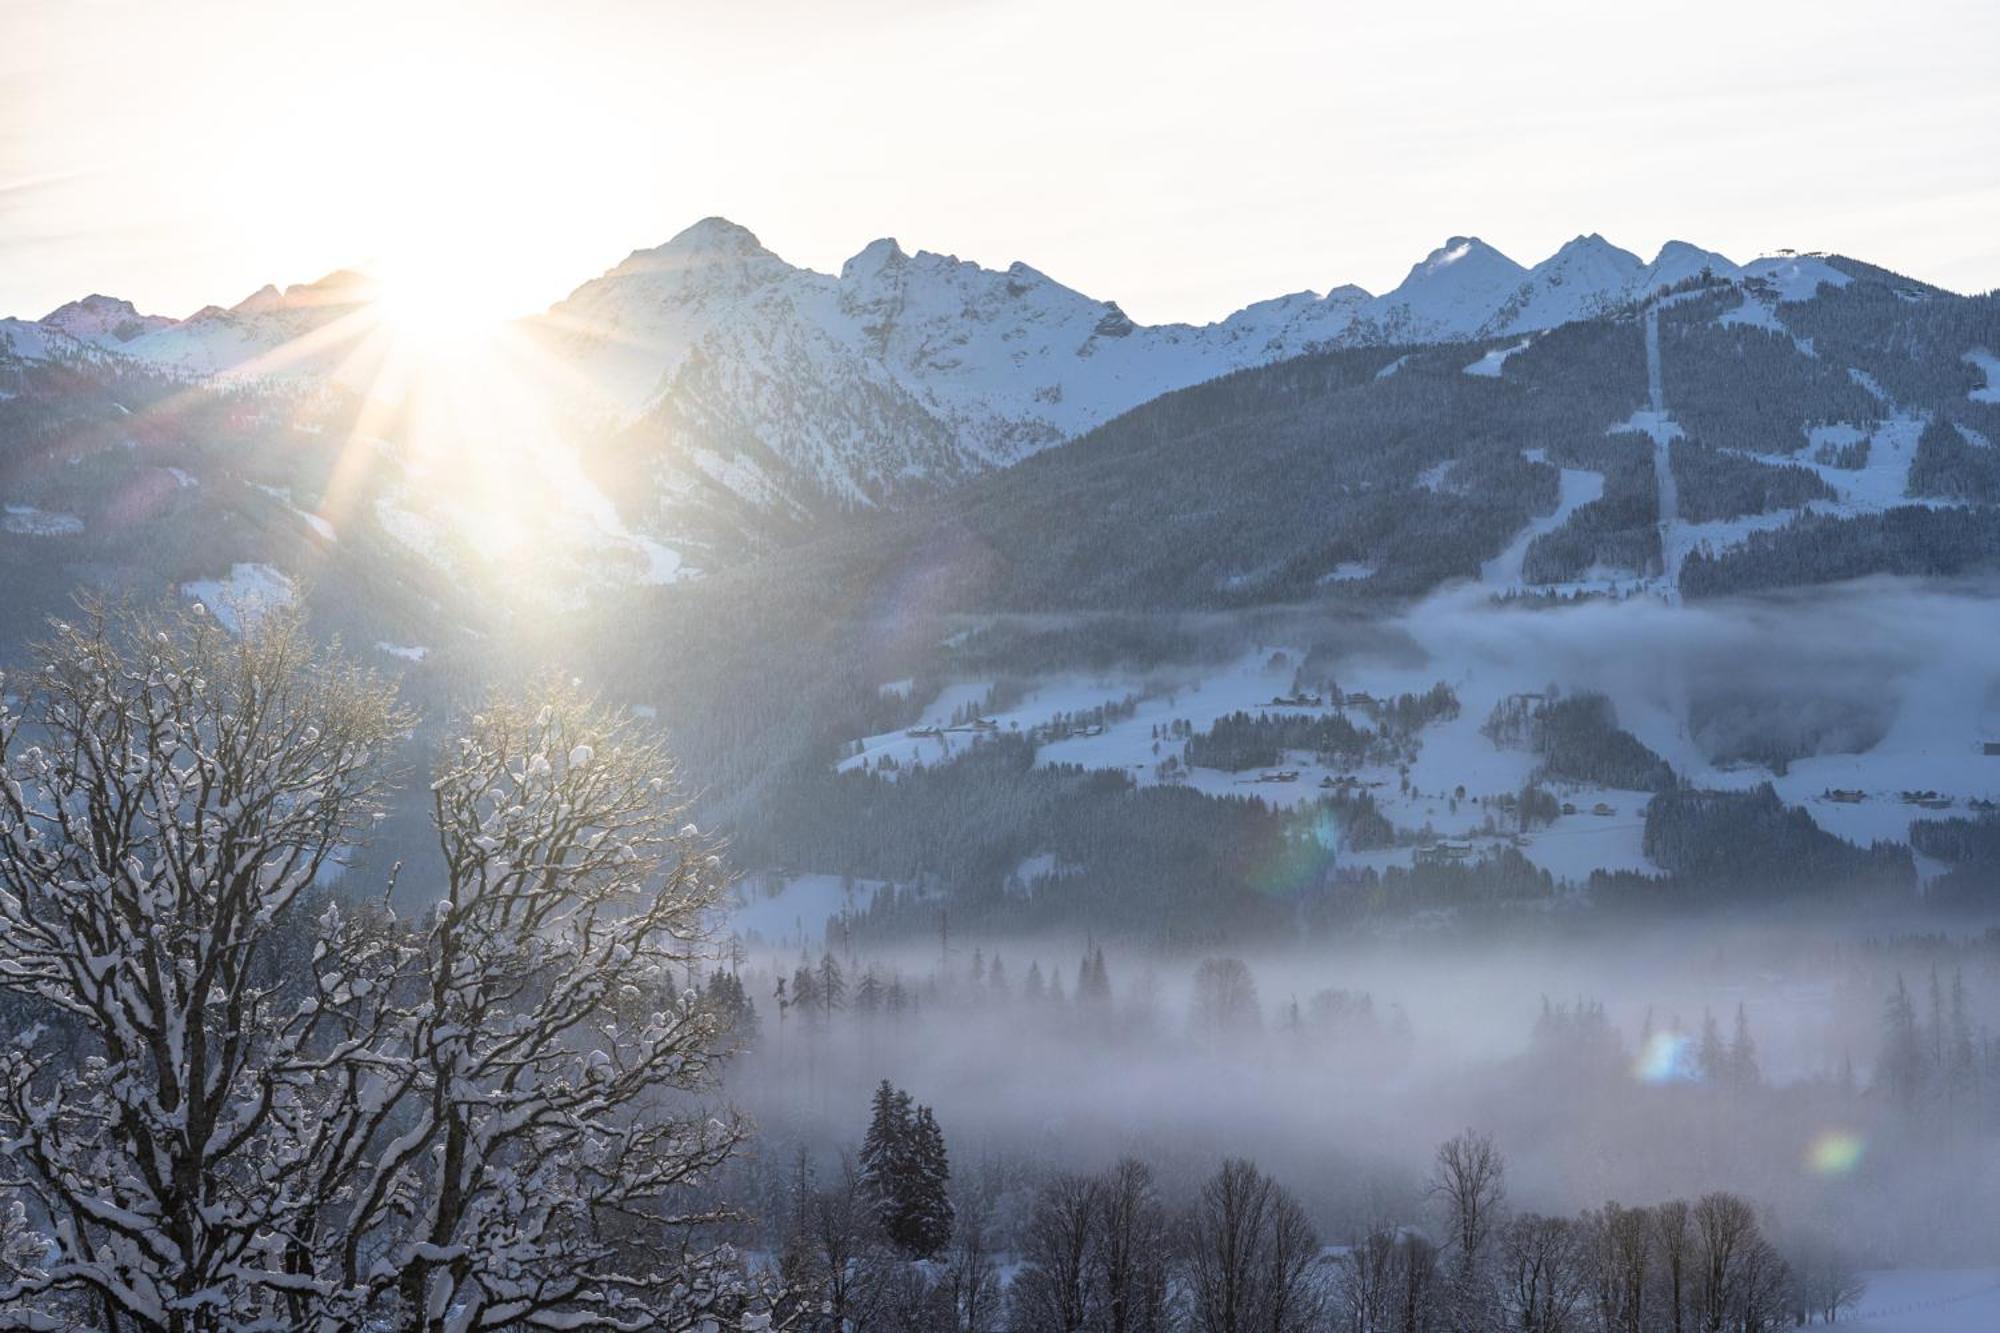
pixel 1453 754
pixel 246 592
pixel 906 750
pixel 1579 487
pixel 28 521
pixel 1989 364
pixel 1934 1300
pixel 1491 364
pixel 792 912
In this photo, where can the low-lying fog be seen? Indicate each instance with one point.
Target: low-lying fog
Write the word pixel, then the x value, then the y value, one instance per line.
pixel 1346 1098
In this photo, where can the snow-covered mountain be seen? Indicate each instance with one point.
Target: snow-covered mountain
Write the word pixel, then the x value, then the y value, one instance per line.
pixel 102 321
pixel 910 371
pixel 736 375
pixel 270 331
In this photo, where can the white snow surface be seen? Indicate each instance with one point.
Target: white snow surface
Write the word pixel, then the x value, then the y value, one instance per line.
pixel 102 321
pixel 248 591
pixel 924 366
pixel 1989 365
pixel 1490 365
pixel 28 521
pixel 1933 1300
pixel 1796 277
pixel 793 910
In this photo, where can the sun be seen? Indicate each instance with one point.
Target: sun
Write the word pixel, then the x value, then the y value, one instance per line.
pixel 438 300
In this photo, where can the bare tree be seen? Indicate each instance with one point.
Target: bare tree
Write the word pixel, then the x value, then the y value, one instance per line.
pixel 841 1240
pixel 1468 1183
pixel 1252 1256
pixel 1827 1282
pixel 483 1112
pixel 1673 1243
pixel 1129 1258
pixel 1365 1291
pixel 1418 1305
pixel 1545 1273
pixel 1739 1279
pixel 1055 1291
pixel 971 1276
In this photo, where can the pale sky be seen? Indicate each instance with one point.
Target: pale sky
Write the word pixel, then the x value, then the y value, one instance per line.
pixel 1183 160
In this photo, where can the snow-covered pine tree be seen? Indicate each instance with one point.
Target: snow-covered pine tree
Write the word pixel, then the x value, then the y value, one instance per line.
pixel 885 1160
pixel 929 1207
pixel 905 1174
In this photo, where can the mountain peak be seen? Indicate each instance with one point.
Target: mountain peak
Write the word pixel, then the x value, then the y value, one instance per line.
pixel 1595 251
pixel 716 236
pixel 711 256
pixel 103 321
pixel 1592 243
pixel 97 303
pixel 874 257
pixel 1457 250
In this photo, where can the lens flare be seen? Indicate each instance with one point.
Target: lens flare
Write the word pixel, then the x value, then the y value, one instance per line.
pixel 1667 1057
pixel 1835 1152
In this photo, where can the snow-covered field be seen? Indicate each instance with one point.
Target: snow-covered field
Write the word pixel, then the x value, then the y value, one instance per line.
pixel 1452 754
pixel 1989 364
pixel 247 591
pixel 28 521
pixel 793 912
pixel 1935 1300
pixel 1491 364
pixel 1579 488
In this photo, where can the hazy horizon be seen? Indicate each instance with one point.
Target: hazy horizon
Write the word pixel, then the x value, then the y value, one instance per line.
pixel 1110 149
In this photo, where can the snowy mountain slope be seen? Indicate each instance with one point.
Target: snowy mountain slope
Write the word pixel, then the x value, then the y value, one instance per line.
pixel 1586 277
pixel 243 338
pixel 739 380
pixel 906 372
pixel 102 321
pixel 27 340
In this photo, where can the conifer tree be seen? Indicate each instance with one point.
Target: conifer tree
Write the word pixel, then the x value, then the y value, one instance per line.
pixel 1743 1072
pixel 1711 1056
pixel 832 986
pixel 905 1175
pixel 1901 1068
pixel 929 1208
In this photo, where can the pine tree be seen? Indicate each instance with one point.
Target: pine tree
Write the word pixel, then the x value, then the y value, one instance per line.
pixel 832 986
pixel 1962 1059
pixel 1901 1068
pixel 1935 1044
pixel 1743 1072
pixel 885 1155
pixel 869 993
pixel 1093 983
pixel 905 1174
pixel 805 993
pixel 1711 1056
pixel 929 1208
